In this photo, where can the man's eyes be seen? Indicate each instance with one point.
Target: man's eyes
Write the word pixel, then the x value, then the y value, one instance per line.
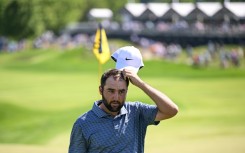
pixel 111 91
pixel 120 91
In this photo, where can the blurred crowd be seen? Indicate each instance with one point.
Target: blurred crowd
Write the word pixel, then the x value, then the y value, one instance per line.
pixel 62 42
pixel 48 40
pixel 150 48
pixel 216 53
pixel 212 54
pixel 11 45
pixel 198 27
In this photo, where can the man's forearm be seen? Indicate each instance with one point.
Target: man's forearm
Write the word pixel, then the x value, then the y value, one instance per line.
pixel 166 107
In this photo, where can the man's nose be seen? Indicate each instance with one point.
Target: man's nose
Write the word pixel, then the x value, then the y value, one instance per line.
pixel 116 96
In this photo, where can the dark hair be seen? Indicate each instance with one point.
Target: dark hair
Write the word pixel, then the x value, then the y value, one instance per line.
pixel 112 72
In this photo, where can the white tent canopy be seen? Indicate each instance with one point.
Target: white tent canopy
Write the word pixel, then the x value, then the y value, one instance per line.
pixel 204 10
pixel 159 9
pixel 136 9
pixel 237 8
pixel 100 13
pixel 209 8
pixel 183 8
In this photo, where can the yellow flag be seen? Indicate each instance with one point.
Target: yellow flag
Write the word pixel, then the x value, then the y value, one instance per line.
pixel 101 48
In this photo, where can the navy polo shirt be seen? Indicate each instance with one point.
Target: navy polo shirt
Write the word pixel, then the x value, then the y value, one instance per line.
pixel 98 132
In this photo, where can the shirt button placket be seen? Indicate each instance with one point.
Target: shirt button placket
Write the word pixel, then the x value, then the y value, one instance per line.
pixel 116 123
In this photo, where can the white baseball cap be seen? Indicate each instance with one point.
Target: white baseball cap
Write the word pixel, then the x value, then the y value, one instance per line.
pixel 128 57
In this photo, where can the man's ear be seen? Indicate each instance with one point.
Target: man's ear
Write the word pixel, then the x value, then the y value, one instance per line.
pixel 100 89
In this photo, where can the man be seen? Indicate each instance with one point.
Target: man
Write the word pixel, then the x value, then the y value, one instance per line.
pixel 114 125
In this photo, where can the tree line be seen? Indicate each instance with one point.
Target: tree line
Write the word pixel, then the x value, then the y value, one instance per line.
pixel 29 18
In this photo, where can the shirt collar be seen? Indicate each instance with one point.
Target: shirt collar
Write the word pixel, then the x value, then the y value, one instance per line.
pixel 100 113
pixel 123 111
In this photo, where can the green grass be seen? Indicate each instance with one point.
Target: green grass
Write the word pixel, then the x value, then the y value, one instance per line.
pixel 42 92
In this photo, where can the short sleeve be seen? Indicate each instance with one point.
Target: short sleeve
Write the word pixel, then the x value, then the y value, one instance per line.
pixel 148 112
pixel 77 141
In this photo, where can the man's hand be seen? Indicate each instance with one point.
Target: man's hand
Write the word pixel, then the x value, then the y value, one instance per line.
pixel 166 107
pixel 133 77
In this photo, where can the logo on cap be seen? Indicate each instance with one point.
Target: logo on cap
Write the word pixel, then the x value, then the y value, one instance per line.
pixel 127 59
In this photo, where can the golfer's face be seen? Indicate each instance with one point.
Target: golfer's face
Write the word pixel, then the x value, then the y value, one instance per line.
pixel 114 93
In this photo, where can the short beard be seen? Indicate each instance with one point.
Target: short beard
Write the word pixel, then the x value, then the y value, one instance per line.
pixel 109 107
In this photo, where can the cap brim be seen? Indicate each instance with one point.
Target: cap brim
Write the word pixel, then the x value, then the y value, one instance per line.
pixel 121 67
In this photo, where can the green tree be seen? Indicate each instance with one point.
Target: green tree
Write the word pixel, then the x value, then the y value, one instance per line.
pixel 14 18
pixel 23 18
pixel 30 18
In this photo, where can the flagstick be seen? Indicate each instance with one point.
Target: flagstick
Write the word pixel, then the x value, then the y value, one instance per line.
pixel 99 74
pixel 100 71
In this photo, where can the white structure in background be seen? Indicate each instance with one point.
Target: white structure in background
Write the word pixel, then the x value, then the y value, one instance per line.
pixel 134 9
pixel 159 9
pixel 103 15
pixel 174 11
pixel 205 11
pixel 183 8
pixel 238 8
pixel 100 13
pixel 209 8
pixel 166 17
pixel 131 13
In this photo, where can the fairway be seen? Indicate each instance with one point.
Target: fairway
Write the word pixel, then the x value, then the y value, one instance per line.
pixel 41 99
